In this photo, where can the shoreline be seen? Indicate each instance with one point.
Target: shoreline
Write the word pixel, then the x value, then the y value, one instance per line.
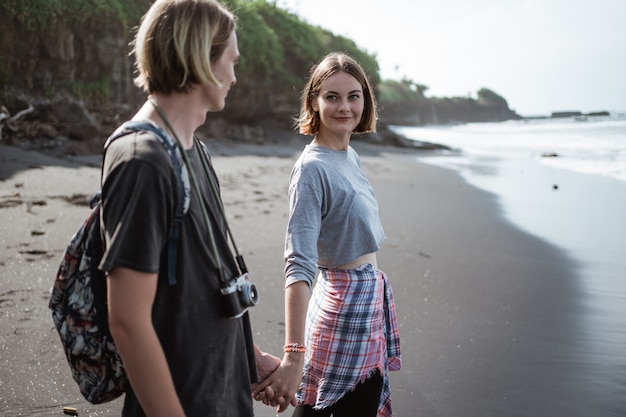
pixel 583 214
pixel 491 317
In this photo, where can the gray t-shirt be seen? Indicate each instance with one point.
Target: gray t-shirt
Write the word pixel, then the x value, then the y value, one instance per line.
pixel 333 213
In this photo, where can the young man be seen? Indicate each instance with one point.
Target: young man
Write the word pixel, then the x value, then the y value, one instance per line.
pixel 182 354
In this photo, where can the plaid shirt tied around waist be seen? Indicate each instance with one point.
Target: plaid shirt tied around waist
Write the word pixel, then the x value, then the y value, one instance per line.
pixel 351 331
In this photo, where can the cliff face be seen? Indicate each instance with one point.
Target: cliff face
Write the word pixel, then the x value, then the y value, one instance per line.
pixel 68 73
pixel 89 61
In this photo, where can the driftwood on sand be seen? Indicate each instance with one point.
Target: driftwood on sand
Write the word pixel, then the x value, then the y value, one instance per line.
pixel 11 121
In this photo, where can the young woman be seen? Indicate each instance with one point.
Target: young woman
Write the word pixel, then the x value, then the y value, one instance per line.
pixel 340 345
pixel 182 354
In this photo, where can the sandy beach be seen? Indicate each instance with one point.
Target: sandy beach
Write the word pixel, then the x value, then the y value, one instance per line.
pixel 490 316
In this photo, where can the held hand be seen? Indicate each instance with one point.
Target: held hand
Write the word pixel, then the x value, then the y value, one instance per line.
pixel 266 364
pixel 280 387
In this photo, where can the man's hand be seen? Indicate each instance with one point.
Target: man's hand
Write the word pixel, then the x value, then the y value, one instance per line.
pixel 280 387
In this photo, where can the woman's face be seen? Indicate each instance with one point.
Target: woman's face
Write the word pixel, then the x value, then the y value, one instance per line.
pixel 340 104
pixel 224 71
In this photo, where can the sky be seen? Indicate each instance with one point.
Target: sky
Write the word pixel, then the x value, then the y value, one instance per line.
pixel 540 55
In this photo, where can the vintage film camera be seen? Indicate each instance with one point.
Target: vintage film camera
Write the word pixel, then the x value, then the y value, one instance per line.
pixel 239 295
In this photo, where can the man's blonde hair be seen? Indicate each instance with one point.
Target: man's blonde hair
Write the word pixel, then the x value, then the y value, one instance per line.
pixel 176 43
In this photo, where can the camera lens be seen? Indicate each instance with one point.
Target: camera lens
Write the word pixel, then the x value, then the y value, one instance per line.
pixel 249 295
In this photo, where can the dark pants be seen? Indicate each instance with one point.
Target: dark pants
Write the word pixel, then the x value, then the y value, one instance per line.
pixel 362 402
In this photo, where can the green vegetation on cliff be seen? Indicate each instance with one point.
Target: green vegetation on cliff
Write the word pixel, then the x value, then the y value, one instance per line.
pixel 404 102
pixel 42 14
pixel 87 56
pixel 278 46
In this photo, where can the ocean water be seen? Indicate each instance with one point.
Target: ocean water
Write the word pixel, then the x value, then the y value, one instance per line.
pixel 593 145
pixel 563 180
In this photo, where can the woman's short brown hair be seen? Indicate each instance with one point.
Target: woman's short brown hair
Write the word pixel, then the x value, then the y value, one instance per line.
pixel 308 122
pixel 177 42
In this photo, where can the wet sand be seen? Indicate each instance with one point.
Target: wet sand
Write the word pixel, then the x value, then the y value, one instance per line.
pixel 490 316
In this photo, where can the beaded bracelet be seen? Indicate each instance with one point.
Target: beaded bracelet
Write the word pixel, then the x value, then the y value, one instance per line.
pixel 294 347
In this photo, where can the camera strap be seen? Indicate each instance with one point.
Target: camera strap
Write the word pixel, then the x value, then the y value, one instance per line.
pixel 204 157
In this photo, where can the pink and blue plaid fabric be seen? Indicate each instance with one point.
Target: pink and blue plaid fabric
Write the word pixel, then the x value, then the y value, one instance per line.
pixel 351 332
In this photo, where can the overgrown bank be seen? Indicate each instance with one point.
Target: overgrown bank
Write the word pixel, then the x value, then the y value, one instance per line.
pixel 69 60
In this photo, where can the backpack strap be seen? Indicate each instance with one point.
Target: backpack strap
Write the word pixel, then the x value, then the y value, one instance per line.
pixel 184 193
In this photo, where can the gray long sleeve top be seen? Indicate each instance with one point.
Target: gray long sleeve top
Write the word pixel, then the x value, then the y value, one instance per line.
pixel 333 213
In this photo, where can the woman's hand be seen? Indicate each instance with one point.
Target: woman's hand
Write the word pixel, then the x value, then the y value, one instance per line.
pixel 280 387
